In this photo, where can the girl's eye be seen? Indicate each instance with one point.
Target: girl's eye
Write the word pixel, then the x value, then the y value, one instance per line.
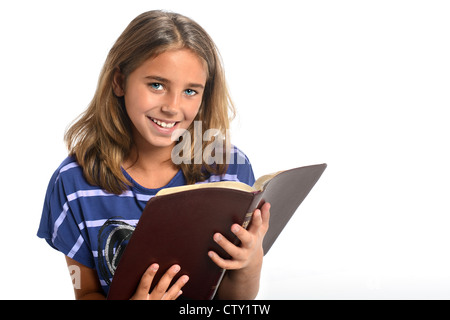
pixel 156 86
pixel 190 92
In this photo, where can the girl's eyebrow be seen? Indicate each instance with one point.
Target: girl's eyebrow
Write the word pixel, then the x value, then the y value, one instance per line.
pixel 159 79
pixel 164 80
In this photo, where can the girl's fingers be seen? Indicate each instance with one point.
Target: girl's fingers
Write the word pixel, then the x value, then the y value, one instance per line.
pixel 145 283
pixel 258 226
pixel 243 235
pixel 260 219
pixel 250 239
pixel 160 289
pixel 175 290
pixel 256 221
pixel 224 263
pixel 265 216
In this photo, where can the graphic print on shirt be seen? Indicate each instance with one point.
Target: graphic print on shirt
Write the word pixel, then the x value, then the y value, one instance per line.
pixel 113 237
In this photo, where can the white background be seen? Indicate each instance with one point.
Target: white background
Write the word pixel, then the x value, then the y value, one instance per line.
pixel 360 85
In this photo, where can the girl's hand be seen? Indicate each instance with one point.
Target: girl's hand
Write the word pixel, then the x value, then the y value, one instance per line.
pixel 250 252
pixel 161 291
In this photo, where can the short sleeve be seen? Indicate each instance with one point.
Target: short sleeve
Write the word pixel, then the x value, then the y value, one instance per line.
pixel 242 167
pixel 239 169
pixel 62 223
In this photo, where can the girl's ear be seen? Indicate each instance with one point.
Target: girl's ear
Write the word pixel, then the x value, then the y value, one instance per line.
pixel 118 83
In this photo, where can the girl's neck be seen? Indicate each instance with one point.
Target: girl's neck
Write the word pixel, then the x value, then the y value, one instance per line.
pixel 151 166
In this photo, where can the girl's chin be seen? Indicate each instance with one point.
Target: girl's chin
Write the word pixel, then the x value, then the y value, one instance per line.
pixel 158 142
pixel 149 140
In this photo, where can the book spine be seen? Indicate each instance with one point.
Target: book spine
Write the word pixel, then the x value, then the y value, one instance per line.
pixel 255 204
pixel 216 287
pixel 247 219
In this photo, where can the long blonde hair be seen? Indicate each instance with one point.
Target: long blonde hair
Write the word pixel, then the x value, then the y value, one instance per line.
pixel 101 138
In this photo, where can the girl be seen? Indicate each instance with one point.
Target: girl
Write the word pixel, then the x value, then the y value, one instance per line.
pixel 162 74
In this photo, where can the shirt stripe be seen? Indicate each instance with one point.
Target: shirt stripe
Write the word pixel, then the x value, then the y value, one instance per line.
pixel 87 193
pixel 224 177
pixel 76 246
pixel 65 168
pixel 101 222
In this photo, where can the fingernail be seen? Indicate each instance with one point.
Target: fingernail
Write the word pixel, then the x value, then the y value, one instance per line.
pixel 155 267
pixel 210 254
pixel 176 268
pixel 217 237
pixel 185 279
pixel 235 228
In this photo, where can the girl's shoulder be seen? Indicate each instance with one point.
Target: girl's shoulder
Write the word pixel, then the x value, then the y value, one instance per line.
pixel 68 169
pixel 238 160
pixel 65 167
pixel 239 168
pixel 240 156
pixel 69 173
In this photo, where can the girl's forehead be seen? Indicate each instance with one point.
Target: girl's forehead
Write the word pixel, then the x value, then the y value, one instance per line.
pixel 176 62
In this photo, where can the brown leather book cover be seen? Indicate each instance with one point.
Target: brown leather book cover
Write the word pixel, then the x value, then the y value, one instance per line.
pixel 177 227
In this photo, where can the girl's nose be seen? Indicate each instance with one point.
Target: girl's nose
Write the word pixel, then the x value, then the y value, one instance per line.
pixel 172 104
pixel 168 109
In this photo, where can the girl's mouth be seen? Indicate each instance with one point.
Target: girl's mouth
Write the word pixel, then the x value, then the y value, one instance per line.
pixel 163 124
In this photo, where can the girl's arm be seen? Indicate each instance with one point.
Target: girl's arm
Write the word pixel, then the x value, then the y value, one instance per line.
pixel 85 281
pixel 87 285
pixel 241 281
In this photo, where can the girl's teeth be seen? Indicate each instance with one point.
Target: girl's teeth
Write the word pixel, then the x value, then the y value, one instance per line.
pixel 163 124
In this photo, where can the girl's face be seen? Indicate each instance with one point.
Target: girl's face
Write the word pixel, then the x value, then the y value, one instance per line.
pixel 162 95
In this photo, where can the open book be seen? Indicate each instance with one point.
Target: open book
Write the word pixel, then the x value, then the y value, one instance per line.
pixel 178 224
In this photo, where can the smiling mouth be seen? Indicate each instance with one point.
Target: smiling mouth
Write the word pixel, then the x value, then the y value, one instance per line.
pixel 163 124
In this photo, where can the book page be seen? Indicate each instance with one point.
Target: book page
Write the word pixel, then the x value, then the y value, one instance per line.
pixel 261 182
pixel 221 184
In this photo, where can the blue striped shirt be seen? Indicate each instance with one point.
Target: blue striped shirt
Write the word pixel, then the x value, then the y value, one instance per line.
pixel 92 226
